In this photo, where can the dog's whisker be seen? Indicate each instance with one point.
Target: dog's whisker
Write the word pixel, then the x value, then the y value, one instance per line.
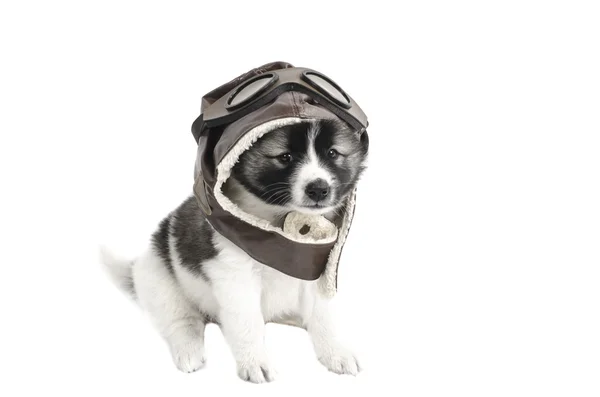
pixel 278 189
pixel 283 199
pixel 277 184
pixel 274 196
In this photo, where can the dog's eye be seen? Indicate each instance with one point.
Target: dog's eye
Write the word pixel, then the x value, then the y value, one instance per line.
pixel 332 153
pixel 285 158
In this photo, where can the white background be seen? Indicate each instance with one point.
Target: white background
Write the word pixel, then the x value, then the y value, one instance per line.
pixel 473 265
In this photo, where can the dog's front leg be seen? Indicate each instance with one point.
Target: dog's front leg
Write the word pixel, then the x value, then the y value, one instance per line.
pixel 242 323
pixel 330 352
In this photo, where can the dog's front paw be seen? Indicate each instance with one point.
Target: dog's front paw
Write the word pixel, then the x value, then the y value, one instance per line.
pixel 340 360
pixel 256 371
pixel 189 357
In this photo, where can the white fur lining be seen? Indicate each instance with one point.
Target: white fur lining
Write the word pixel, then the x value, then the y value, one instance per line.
pixel 327 281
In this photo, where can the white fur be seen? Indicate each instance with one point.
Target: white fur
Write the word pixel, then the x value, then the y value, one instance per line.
pixel 173 312
pixel 243 295
pixel 118 269
pixel 310 170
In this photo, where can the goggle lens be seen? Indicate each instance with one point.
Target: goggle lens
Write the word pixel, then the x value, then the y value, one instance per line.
pixel 328 88
pixel 249 90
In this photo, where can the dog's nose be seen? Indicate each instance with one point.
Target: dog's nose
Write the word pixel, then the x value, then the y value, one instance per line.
pixel 317 190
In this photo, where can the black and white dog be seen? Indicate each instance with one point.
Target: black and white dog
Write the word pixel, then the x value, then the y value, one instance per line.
pixel 190 275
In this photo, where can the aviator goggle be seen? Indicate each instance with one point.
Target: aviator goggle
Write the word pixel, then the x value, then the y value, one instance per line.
pixel 259 90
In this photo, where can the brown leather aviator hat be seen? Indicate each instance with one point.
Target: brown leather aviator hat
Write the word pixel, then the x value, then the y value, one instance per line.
pixel 235 115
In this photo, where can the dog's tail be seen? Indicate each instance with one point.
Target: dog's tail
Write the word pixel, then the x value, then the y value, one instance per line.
pixel 119 270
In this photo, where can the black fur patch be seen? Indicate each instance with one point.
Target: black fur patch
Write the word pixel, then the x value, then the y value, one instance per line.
pixel 160 242
pixel 194 237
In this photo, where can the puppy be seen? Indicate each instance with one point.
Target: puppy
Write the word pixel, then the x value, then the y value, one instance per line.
pixel 190 275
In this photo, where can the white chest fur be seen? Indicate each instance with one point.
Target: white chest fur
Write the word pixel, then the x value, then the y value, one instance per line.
pixel 234 274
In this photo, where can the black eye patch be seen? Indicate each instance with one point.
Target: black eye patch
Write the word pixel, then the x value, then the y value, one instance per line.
pixel 333 135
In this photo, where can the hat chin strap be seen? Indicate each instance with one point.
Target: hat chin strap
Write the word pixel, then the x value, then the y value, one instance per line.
pixel 327 282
